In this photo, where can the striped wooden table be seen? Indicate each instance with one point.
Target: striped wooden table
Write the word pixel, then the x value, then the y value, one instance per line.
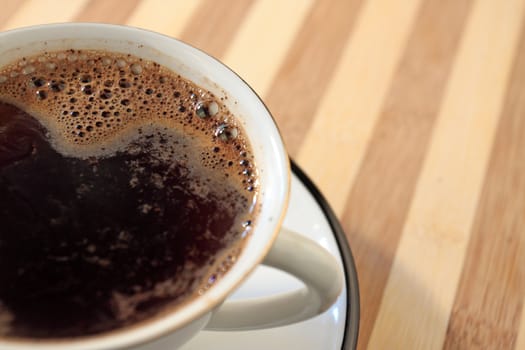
pixel 410 117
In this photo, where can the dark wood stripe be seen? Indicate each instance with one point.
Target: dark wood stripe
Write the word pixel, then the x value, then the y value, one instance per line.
pixel 490 296
pixel 309 66
pixel 214 24
pixel 105 11
pixel 9 8
pixel 377 206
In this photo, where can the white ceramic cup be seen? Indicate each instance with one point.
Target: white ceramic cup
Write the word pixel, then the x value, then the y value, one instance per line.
pixel 269 243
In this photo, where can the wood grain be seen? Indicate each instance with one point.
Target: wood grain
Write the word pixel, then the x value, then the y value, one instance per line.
pixel 256 54
pixel 520 342
pixel 32 12
pixel 106 11
pixel 214 23
pixel 438 225
pixel 167 17
pixel 409 116
pixel 8 9
pixel 348 111
pixel 308 67
pixel 392 162
pixel 485 315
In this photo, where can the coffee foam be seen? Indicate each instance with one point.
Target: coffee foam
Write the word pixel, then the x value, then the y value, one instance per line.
pixel 92 103
pixel 95 104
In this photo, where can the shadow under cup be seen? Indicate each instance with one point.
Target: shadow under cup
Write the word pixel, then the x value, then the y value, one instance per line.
pixel 271 161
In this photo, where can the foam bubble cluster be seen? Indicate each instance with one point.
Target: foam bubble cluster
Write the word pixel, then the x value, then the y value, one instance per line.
pixel 94 105
pixel 90 101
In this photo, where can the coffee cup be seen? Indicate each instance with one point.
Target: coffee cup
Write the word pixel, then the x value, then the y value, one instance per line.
pixel 269 242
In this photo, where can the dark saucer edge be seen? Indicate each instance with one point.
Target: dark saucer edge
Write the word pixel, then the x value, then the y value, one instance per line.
pixel 352 284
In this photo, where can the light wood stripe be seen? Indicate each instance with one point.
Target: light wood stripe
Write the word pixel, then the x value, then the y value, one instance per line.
pixel 308 67
pixel 116 12
pixel 419 296
pixel 489 300
pixel 349 109
pixel 520 343
pixel 256 54
pixel 34 12
pixel 377 206
pixel 167 17
pixel 214 24
pixel 8 9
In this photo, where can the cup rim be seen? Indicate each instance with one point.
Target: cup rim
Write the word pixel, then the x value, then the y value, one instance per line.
pixel 166 323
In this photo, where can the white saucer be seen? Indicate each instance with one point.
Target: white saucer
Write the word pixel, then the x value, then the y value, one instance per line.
pixel 336 328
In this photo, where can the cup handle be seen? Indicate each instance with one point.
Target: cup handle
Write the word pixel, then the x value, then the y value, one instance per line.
pixel 302 258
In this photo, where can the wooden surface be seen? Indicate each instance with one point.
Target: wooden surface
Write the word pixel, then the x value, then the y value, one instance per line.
pixel 410 117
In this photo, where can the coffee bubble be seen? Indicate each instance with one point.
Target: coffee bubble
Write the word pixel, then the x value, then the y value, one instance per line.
pixel 226 132
pixel 51 66
pixel 93 103
pixel 28 70
pixel 121 63
pixel 136 69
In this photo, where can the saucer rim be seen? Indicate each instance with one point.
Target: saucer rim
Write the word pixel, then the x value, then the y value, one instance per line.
pixel 351 279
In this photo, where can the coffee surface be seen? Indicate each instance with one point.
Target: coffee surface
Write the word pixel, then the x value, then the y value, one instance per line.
pixel 124 191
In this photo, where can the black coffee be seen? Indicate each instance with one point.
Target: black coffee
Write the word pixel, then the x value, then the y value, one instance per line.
pixel 124 191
